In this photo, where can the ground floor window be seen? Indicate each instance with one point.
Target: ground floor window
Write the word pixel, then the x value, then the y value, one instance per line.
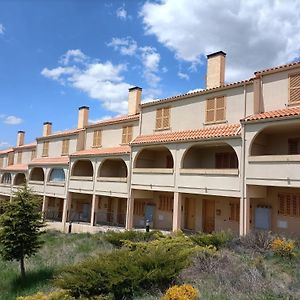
pixel 289 204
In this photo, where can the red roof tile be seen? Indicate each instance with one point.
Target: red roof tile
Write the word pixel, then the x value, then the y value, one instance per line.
pixel 63 160
pixel 6 151
pixel 280 113
pixel 61 133
pixel 120 119
pixel 195 134
pixel 31 145
pixel 17 167
pixel 278 68
pixel 103 151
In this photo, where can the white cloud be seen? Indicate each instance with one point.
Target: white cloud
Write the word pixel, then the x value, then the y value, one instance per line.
pixel 12 120
pixel 126 46
pixel 74 55
pixel 183 76
pixel 102 81
pixel 121 13
pixel 255 34
pixel 106 117
pixel 4 145
pixel 194 91
pixel 2 29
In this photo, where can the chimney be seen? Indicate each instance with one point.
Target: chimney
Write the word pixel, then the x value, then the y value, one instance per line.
pixel 47 128
pixel 134 100
pixel 20 138
pixel 215 76
pixel 83 116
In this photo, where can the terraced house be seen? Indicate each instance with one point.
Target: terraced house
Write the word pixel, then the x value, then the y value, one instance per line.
pixel 226 157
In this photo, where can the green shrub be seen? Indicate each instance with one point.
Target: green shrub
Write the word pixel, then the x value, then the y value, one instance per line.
pixel 125 272
pixel 216 239
pixel 118 238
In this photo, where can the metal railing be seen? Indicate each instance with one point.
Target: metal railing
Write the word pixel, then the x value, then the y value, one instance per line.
pixel 53 215
pixel 79 217
pixel 110 219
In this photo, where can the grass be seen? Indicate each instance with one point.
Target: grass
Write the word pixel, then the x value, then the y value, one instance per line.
pixel 59 250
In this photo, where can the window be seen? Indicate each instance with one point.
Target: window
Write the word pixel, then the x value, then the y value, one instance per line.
pixel 294 91
pixel 65 147
pixel 57 175
pixel 33 154
pixel 226 160
pixel 289 204
pixel 6 178
pixel 45 148
pixel 165 203
pixel 163 118
pixel 139 208
pixel 127 134
pixel 97 138
pixel 293 146
pixel 10 158
pixel 234 212
pixel 215 109
pixel 19 158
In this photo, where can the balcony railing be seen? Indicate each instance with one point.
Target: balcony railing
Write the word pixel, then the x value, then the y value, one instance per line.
pixel 110 219
pixel 52 215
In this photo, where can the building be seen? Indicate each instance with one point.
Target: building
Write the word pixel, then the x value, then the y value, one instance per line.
pixel 226 157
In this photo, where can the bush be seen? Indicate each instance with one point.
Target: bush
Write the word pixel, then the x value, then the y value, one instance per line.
pixel 181 292
pixel 283 247
pixel 217 239
pixel 125 272
pixel 119 238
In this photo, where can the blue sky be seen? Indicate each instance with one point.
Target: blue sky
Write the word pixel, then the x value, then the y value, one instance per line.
pixel 57 55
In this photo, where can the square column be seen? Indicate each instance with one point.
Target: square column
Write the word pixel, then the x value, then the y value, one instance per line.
pixel 66 209
pixel 177 214
pixel 129 212
pixel 94 209
pixel 45 205
pixel 244 215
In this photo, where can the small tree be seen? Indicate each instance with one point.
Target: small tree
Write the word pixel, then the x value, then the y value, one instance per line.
pixel 20 227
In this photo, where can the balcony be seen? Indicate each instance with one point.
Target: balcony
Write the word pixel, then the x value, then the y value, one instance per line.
pixel 153 169
pixel 55 186
pixel 82 175
pixel 37 180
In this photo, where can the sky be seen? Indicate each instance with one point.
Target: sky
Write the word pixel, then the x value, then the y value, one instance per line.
pixel 58 55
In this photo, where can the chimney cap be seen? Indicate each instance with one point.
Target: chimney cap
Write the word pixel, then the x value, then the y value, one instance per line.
pixel 134 88
pixel 47 123
pixel 83 107
pixel 21 131
pixel 216 54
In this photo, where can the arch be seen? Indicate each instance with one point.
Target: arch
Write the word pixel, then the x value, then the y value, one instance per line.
pixel 37 174
pixel 6 178
pixel 113 167
pixel 154 157
pixel 57 175
pixel 83 167
pixel 278 139
pixel 19 179
pixel 210 156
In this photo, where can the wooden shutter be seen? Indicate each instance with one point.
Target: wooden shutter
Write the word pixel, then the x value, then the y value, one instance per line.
pixel 19 158
pixel 220 109
pixel 10 159
pixel 97 138
pixel 281 205
pixel 294 88
pixel 215 109
pixel 166 117
pixel 46 148
pixel 127 134
pixel 210 110
pixel 65 147
pixel 33 154
pixel 163 118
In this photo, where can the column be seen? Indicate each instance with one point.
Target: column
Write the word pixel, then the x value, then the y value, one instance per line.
pixel 44 206
pixel 66 210
pixel 177 214
pixel 129 212
pixel 244 215
pixel 94 210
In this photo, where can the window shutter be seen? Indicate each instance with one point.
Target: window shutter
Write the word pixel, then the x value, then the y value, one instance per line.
pixel 294 88
pixel 10 159
pixel 45 148
pixel 210 110
pixel 215 109
pixel 65 147
pixel 159 118
pixel 33 154
pixel 127 135
pixel 19 158
pixel 220 109
pixel 281 209
pixel 166 117
pixel 97 138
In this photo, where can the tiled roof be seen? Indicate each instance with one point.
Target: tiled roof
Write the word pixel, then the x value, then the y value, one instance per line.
pixel 280 113
pixel 195 134
pixel 200 92
pixel 103 151
pixel 120 119
pixel 61 133
pixel 277 68
pixel 6 151
pixel 31 145
pixel 17 167
pixel 63 160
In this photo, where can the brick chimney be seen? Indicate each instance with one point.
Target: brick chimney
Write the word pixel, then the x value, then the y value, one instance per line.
pixel 20 138
pixel 47 128
pixel 215 76
pixel 83 116
pixel 134 100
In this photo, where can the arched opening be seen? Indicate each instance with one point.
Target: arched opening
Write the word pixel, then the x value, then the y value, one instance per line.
pixel 277 140
pixel 6 178
pixel 217 156
pixel 37 174
pixel 57 175
pixel 113 168
pixel 83 168
pixel 155 157
pixel 20 179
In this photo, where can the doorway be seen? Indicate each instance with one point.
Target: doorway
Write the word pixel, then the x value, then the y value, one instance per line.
pixel 189 213
pixel 208 216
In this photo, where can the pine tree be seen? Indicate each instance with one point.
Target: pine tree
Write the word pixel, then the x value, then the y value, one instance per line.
pixel 20 227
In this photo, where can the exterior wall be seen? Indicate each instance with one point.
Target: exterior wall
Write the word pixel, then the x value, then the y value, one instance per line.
pixel 26 156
